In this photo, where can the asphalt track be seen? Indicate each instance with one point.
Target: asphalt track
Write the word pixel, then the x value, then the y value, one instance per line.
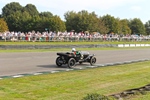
pixel 33 62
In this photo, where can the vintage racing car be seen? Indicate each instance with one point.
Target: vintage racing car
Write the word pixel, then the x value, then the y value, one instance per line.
pixel 71 58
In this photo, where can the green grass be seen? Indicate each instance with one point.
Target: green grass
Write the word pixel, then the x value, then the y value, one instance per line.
pixel 57 49
pixel 66 43
pixel 74 85
pixel 72 43
pixel 66 49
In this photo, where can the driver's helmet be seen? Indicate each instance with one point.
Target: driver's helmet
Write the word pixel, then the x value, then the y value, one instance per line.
pixel 73 49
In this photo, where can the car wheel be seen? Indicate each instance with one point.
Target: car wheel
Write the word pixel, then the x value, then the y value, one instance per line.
pixel 92 60
pixel 59 61
pixel 71 63
pixel 80 62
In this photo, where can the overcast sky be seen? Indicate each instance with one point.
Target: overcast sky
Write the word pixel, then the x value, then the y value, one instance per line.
pixel 118 8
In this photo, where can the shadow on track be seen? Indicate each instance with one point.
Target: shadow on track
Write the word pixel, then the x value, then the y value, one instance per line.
pixel 63 66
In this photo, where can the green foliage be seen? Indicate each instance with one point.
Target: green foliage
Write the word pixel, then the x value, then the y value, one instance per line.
pixel 137 26
pixel 101 27
pixel 95 96
pixel 19 18
pixel 111 23
pixel 124 27
pixel 147 27
pixel 19 21
pixel 83 21
pixel 28 18
pixel 3 25
pixel 11 8
pixel 46 14
pixel 31 9
pixel 56 24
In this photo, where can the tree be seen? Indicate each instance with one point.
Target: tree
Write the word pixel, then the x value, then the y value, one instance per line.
pixel 101 27
pixel 11 8
pixel 19 21
pixel 147 27
pixel 46 14
pixel 111 23
pixel 11 13
pixel 3 25
pixel 83 21
pixel 137 27
pixel 71 20
pixel 56 24
pixel 123 27
pixel 31 9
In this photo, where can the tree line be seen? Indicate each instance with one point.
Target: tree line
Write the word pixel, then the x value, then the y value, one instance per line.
pixel 27 18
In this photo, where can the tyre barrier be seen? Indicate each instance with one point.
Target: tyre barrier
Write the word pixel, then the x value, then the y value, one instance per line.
pixel 131 92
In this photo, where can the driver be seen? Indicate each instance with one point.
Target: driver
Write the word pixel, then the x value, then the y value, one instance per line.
pixel 74 50
pixel 77 53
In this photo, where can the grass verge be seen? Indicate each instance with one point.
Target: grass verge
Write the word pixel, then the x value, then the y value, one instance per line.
pixel 56 49
pixel 73 43
pixel 67 49
pixel 74 85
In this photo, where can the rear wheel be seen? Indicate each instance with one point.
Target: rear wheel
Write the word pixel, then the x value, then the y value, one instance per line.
pixel 59 61
pixel 92 60
pixel 71 63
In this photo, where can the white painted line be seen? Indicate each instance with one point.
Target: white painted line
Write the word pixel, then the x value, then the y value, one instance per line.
pixel 18 76
pixel 109 64
pixel 127 62
pixel 78 68
pixel 91 66
pixel 68 69
pixel 37 73
pixel 141 60
pixel 134 61
pixel 118 63
pixel 100 65
pixel 54 71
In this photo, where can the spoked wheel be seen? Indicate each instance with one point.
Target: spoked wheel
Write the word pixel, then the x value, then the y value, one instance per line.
pixel 92 60
pixel 59 61
pixel 71 63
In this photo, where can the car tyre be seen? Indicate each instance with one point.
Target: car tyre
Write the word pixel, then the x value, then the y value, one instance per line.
pixel 58 61
pixel 71 63
pixel 93 60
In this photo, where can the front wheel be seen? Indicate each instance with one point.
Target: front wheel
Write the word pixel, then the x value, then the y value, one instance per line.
pixel 71 63
pixel 59 61
pixel 92 60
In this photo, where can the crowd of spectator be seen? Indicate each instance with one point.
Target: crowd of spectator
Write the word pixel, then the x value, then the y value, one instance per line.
pixel 70 36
